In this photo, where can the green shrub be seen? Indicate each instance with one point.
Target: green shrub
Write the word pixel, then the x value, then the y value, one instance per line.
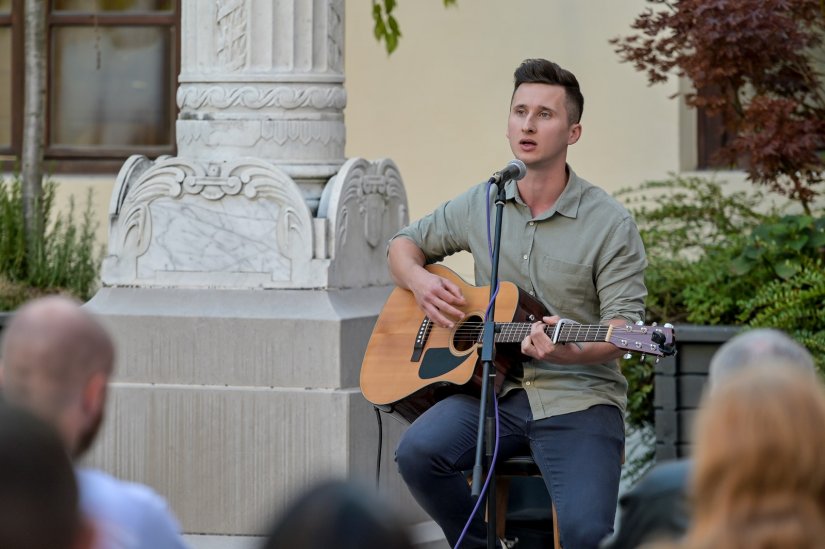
pixel 722 258
pixel 63 258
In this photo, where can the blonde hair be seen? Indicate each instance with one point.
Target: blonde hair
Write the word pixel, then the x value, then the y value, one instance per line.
pixel 759 476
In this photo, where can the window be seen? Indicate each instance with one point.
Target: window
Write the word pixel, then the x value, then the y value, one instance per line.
pixel 111 80
pixel 712 136
pixel 6 82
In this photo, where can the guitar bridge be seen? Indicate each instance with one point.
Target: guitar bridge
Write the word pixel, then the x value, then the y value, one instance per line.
pixel 421 339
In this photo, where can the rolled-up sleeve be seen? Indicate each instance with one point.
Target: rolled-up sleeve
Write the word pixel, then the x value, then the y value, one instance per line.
pixel 619 276
pixel 442 232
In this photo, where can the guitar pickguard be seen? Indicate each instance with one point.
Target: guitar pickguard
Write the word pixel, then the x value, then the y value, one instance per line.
pixel 437 362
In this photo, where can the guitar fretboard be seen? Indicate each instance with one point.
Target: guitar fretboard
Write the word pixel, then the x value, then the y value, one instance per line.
pixel 515 332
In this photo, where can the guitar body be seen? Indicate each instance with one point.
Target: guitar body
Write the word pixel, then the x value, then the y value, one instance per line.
pixel 410 364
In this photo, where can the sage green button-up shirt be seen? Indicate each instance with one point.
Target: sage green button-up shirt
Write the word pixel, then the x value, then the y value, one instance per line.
pixel 583 258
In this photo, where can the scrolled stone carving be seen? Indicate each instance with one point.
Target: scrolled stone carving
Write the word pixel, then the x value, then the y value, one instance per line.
pixel 191 97
pixel 239 224
pixel 366 204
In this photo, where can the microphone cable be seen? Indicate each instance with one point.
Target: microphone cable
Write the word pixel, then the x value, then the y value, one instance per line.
pixel 380 446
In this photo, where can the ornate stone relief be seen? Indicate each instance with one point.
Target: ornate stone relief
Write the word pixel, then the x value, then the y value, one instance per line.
pixel 335 36
pixel 366 205
pixel 240 224
pixel 234 135
pixel 231 19
pixel 264 96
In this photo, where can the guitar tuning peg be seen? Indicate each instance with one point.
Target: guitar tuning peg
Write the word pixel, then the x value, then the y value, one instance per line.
pixel 640 323
pixel 657 360
pixel 668 325
pixel 653 324
pixel 642 359
pixel 627 356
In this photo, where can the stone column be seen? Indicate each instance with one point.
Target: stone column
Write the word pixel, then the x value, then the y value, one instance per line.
pixel 244 275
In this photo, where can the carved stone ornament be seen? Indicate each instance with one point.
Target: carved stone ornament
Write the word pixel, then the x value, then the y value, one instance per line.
pixel 245 224
pixel 231 21
pixel 240 224
pixel 366 205
pixel 260 96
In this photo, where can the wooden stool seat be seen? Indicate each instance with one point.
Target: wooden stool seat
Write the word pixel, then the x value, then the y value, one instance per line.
pixel 506 470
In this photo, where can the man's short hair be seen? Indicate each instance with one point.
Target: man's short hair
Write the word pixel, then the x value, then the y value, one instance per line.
pixel 50 348
pixel 542 71
pixel 763 347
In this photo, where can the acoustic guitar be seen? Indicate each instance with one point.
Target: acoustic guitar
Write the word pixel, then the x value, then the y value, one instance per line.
pixel 410 363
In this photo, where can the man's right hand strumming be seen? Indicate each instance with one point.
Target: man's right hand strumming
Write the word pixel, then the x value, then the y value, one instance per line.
pixel 437 297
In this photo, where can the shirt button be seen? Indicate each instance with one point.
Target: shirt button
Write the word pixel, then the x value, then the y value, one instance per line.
pixel 532 223
pixel 532 292
pixel 527 383
pixel 525 257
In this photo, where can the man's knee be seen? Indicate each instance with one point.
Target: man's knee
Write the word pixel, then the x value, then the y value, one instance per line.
pixel 413 455
pixel 583 531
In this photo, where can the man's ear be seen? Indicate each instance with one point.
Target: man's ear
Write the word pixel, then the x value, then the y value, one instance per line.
pixel 574 133
pixel 94 393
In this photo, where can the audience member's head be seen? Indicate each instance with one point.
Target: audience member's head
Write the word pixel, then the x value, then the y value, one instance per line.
pixel 759 473
pixel 39 506
pixel 338 514
pixel 56 361
pixel 760 347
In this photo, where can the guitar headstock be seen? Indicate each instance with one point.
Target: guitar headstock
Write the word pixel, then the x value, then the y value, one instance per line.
pixel 653 340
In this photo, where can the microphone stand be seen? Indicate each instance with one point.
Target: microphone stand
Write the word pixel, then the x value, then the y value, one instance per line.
pixel 486 412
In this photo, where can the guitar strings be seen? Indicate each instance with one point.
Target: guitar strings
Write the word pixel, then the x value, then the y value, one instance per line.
pixel 471 331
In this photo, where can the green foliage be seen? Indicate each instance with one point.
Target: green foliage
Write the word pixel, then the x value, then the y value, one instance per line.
pixel 714 259
pixel 63 258
pixel 682 221
pixel 386 27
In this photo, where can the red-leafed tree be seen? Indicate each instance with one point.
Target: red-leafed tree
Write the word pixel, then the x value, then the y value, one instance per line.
pixel 754 63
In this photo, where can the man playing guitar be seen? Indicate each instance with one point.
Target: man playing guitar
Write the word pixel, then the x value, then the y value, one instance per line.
pixel 578 251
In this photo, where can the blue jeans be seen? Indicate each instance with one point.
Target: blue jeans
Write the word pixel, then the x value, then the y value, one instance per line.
pixel 579 454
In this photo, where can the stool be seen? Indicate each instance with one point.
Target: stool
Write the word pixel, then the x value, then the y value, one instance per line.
pixel 506 471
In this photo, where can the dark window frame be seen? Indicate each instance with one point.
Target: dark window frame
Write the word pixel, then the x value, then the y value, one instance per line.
pixel 14 21
pixel 75 160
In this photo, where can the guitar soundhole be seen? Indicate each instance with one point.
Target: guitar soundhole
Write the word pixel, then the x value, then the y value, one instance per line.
pixel 467 333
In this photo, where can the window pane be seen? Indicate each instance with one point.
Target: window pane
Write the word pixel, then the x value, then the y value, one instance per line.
pixel 5 86
pixel 111 86
pixel 111 5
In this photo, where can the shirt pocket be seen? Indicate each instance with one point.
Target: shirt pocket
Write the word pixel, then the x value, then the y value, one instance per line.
pixel 569 287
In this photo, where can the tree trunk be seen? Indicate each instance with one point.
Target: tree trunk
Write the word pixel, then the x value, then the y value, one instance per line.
pixel 34 110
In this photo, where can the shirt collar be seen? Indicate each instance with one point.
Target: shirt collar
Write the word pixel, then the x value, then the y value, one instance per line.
pixel 567 203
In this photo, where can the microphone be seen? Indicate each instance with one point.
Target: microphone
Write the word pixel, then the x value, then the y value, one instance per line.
pixel 515 170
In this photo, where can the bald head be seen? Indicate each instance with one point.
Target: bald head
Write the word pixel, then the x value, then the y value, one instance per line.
pixel 763 347
pixel 51 350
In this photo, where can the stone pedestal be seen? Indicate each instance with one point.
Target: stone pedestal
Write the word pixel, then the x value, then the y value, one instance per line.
pixel 230 402
pixel 244 276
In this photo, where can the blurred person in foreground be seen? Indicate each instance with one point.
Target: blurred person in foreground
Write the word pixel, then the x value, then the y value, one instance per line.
pixel 56 362
pixel 39 506
pixel 759 465
pixel 657 507
pixel 338 514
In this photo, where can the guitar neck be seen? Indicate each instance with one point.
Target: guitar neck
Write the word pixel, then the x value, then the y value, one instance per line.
pixel 515 332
